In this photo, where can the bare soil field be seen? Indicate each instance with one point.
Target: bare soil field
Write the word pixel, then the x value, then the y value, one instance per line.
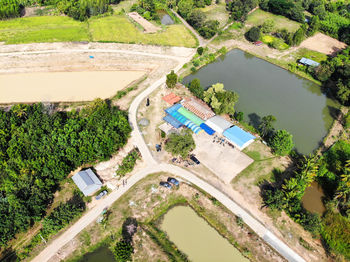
pixel 147 26
pixel 64 86
pixel 324 44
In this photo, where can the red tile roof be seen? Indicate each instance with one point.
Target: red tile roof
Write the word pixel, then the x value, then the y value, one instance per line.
pixel 198 107
pixel 171 98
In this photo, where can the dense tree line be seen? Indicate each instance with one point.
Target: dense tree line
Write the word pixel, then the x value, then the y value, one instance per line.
pixel 38 148
pixel 239 9
pixel 332 172
pixel 10 9
pixel 335 74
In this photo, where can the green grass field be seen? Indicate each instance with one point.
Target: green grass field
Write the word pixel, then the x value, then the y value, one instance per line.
pixel 217 12
pixel 274 42
pixel 42 29
pixel 259 16
pixel 116 28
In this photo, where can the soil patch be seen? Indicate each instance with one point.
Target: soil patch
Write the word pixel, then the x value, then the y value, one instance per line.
pixel 324 44
pixel 147 26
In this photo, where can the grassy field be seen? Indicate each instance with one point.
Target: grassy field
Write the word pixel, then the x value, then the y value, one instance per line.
pixel 314 55
pixel 42 29
pixel 217 12
pixel 259 16
pixel 116 28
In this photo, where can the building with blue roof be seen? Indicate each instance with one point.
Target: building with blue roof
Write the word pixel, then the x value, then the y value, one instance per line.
pixel 172 121
pixel 309 62
pixel 87 182
pixel 238 137
pixel 172 109
pixel 207 129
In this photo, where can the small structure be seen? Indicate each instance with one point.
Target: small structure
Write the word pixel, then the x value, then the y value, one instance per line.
pixel 172 121
pixel 258 43
pixel 207 129
pixel 198 107
pixel 218 124
pixel 168 129
pixel 240 138
pixel 172 108
pixel 308 62
pixel 171 98
pixel 87 182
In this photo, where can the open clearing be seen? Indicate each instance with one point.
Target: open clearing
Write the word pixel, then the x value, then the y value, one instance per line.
pixel 224 161
pixel 259 16
pixel 218 12
pixel 323 43
pixel 115 28
pixel 64 86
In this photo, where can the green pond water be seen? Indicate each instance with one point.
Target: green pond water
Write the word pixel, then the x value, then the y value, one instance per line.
pixel 193 236
pixel 266 89
pixel 102 254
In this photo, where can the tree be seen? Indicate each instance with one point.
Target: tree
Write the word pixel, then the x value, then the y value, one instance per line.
pixel 196 88
pixel 239 116
pixel 281 142
pixel 221 101
pixel 200 50
pixel 266 125
pixel 253 34
pixel 268 26
pixel 171 79
pixel 298 36
pixel 123 251
pixel 209 29
pixel 180 144
pixel 185 8
pixel 196 19
pixel 129 228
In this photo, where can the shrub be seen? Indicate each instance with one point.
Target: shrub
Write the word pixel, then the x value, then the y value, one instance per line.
pixel 180 144
pixel 253 34
pixel 123 251
pixel 200 50
pixel 171 79
pixel 128 163
pixel 281 142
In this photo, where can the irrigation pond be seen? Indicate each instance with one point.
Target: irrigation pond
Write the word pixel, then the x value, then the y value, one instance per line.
pixel 196 238
pixel 265 89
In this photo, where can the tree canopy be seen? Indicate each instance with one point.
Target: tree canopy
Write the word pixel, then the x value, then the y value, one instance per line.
pixel 180 144
pixel 39 148
pixel 171 79
pixel 253 34
pixel 281 142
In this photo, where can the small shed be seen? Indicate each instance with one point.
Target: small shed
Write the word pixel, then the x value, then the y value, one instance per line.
pixel 207 129
pixel 238 137
pixel 87 181
pixel 308 62
pixel 171 98
pixel 218 124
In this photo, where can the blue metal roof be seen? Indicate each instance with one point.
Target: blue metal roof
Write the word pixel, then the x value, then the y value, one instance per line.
pixel 238 136
pixel 207 129
pixel 309 62
pixel 172 121
pixel 196 129
pixel 87 181
pixel 173 108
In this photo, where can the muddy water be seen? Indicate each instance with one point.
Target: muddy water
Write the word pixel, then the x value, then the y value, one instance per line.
pixel 312 199
pixel 165 18
pixel 265 89
pixel 64 86
pixel 193 236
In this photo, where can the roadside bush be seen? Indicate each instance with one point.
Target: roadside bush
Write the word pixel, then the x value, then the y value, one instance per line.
pixel 253 34
pixel 171 79
pixel 200 50
pixel 128 163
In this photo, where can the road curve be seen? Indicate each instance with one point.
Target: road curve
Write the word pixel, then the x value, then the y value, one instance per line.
pixel 153 167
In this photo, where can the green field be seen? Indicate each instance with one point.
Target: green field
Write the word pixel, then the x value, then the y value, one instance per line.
pixel 217 12
pixel 116 28
pixel 42 29
pixel 259 16
pixel 274 42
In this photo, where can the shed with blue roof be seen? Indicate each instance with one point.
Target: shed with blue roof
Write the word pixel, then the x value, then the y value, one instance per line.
pixel 238 137
pixel 309 62
pixel 172 121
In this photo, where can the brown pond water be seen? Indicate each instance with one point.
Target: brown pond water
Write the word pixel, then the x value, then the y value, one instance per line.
pixel 196 238
pixel 312 199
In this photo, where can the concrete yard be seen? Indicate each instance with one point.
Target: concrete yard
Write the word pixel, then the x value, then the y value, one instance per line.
pixel 226 162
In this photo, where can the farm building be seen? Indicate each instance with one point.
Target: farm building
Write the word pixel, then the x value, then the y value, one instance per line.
pixel 218 124
pixel 308 62
pixel 238 137
pixel 173 108
pixel 189 115
pixel 207 129
pixel 198 107
pixel 171 98
pixel 87 181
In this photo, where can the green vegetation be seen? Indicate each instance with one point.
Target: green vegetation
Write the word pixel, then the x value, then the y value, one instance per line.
pixel 258 17
pixel 10 8
pixel 39 147
pixel 253 34
pixel 171 79
pixel 332 172
pixel 122 251
pixel 281 142
pixel 115 28
pixel 288 8
pixel 239 9
pixel 128 163
pixel 180 144
pixel 196 89
pixel 274 42
pixel 58 219
pixel 335 75
pixel 42 29
pixel 220 100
